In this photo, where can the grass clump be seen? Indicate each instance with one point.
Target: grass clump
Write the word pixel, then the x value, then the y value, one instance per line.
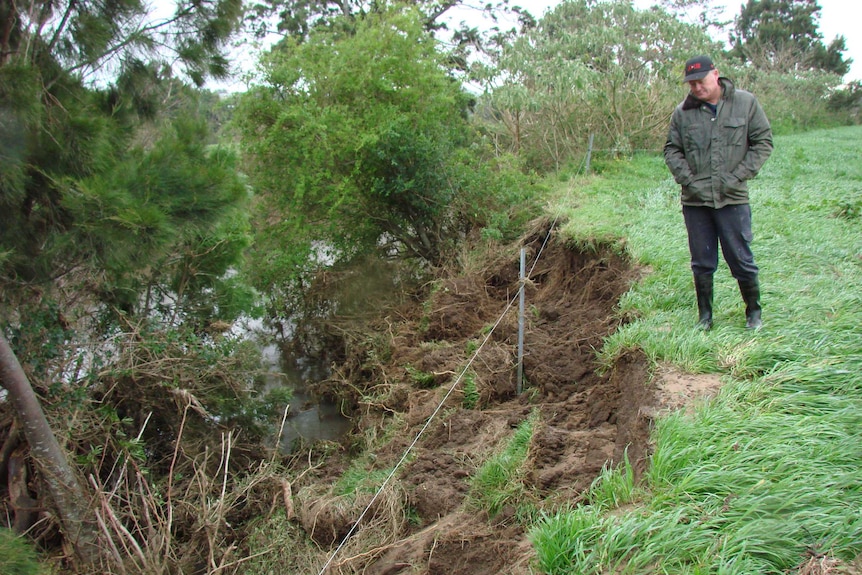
pixel 614 487
pixel 754 480
pixel 422 379
pixel 497 482
pixel 275 540
pixel 471 391
pixel 17 556
pixel 360 477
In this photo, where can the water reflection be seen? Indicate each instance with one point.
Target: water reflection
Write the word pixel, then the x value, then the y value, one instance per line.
pixel 358 290
pixel 309 418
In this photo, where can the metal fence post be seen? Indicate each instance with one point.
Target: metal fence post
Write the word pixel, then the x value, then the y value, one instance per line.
pixel 522 283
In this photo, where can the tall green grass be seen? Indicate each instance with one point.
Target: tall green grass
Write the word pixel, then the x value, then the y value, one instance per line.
pixel 771 469
pixel 17 556
pixel 499 482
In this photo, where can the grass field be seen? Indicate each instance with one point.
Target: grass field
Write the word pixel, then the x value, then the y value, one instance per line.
pixel 768 475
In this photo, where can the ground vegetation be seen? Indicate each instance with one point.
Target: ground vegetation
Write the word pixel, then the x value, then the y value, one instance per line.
pixel 654 447
pixel 132 241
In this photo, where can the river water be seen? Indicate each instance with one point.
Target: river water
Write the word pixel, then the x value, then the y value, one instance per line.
pixel 309 418
pixel 354 292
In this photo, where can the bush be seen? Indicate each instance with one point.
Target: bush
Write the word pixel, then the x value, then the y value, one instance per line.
pixel 847 102
pixel 793 102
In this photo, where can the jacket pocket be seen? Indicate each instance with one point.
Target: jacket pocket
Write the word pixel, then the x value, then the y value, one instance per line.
pixel 735 131
pixel 697 149
pixel 731 182
pixel 699 191
pixel 734 189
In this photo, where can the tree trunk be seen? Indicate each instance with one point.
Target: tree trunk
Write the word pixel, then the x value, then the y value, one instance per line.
pixel 69 498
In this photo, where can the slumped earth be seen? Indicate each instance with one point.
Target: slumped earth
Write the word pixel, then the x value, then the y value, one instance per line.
pixel 586 419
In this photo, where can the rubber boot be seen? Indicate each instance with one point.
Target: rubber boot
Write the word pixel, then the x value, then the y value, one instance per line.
pixel 750 291
pixel 703 289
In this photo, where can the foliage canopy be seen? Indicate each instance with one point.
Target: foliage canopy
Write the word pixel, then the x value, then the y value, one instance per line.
pixel 783 36
pixel 359 140
pixel 589 68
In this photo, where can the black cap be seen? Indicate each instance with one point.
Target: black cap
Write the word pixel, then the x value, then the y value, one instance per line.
pixel 697 68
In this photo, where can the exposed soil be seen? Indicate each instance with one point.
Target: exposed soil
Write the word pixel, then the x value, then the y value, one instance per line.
pixel 587 418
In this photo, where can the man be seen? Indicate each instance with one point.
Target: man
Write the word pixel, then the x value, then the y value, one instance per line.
pixel 719 138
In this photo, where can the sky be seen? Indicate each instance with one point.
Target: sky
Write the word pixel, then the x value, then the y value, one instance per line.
pixel 837 18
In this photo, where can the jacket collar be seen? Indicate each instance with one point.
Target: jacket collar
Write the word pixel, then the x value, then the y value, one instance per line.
pixel 727 89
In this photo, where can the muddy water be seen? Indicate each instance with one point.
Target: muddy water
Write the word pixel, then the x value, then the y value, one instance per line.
pixel 355 291
pixel 309 418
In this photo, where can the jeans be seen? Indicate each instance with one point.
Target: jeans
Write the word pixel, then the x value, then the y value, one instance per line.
pixel 731 226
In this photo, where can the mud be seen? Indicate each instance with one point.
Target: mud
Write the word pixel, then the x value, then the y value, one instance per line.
pixel 588 418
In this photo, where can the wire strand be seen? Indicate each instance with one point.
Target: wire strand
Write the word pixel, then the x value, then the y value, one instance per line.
pixel 433 415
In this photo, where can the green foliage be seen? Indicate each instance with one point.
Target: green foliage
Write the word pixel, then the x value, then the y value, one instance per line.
pixel 96 192
pixel 361 123
pixel 782 36
pixel 471 393
pixel 471 347
pixel 298 19
pixel 566 538
pixel 614 487
pixel 794 101
pixel 274 402
pixel 168 222
pixel 42 340
pixel 20 114
pixel 496 196
pixel 359 479
pixel 17 557
pixel 847 101
pixel 422 379
pixel 849 208
pixel 87 37
pixel 589 68
pixel 155 225
pixel 361 142
pixel 49 146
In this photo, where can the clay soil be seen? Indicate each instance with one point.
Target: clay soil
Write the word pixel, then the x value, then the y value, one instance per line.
pixel 587 418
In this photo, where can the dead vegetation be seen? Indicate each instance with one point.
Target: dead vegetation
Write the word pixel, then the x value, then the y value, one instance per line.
pixel 433 389
pixel 171 480
pixel 438 382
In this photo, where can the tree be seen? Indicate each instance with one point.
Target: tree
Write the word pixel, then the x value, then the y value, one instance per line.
pixel 104 199
pixel 783 36
pixel 359 142
pixel 351 135
pixel 297 18
pixel 602 68
pixel 82 37
pixel 67 493
pixel 78 82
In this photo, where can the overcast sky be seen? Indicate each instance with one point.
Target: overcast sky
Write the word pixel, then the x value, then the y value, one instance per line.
pixel 837 18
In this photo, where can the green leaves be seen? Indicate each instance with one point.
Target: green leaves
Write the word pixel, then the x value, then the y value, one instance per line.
pixel 173 218
pixel 602 68
pixel 354 132
pixel 87 37
pixel 783 36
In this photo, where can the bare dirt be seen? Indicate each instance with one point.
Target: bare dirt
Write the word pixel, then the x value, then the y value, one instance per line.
pixel 588 418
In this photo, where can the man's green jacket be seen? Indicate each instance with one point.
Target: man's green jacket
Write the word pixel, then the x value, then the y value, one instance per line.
pixel 713 157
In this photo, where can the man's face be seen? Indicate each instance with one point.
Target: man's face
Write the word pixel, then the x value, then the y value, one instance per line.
pixel 707 88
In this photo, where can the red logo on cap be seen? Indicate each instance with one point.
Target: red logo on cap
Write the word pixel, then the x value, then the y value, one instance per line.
pixel 695 66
